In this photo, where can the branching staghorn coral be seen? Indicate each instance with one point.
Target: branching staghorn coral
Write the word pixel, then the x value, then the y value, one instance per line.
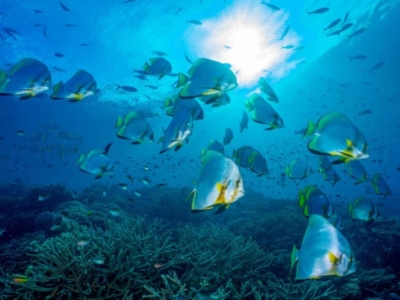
pixel 305 290
pixel 141 260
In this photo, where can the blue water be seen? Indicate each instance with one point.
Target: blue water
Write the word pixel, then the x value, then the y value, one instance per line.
pixel 122 36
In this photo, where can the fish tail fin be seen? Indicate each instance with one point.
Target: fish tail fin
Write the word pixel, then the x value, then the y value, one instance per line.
pixel 311 129
pixel 118 86
pixel 293 257
pixel 119 122
pixel 56 90
pixel 249 105
pixel 350 208
pixel 287 170
pixel 351 58
pixel 182 80
pixel 146 67
pixel 3 76
pixel 306 211
pixel 168 102
pixel 81 158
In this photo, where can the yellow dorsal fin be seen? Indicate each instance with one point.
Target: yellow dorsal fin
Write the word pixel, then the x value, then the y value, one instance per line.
pixel 349 143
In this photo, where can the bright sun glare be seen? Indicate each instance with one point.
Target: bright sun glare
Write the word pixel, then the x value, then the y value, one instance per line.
pixel 247 37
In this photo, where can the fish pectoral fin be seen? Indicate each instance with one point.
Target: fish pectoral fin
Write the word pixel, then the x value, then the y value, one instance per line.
pixel 349 143
pixel 333 258
pixel 221 193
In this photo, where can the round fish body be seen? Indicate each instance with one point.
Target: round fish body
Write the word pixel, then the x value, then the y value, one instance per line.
pixel 220 182
pixel 324 252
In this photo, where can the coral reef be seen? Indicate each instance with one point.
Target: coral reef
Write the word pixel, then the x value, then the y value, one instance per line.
pixel 136 257
pixel 107 243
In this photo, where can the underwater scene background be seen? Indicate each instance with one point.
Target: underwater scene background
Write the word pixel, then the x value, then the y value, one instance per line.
pixel 191 144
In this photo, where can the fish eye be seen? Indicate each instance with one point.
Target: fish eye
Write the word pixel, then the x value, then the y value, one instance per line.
pixel 237 183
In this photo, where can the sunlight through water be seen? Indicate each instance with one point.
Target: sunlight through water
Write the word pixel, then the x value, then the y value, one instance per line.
pixel 248 38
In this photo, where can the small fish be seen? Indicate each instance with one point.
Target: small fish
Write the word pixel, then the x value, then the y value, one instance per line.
pixel 380 185
pixel 122 186
pixel 43 197
pixel 151 86
pixel 263 113
pixel 287 47
pixel 359 31
pixel 358 57
pixel 38 11
pixel 127 88
pixel 336 32
pixel 64 7
pixel 141 77
pixel 161 184
pixel 333 24
pixel 159 53
pixel 57 54
pixel 195 22
pixel 284 33
pixel 356 171
pixel 363 209
pixel 244 122
pixel 228 136
pixel 228 47
pixel 157 66
pixel 314 202
pixel 137 193
pixel 135 128
pixel 365 112
pixel 98 260
pixel 271 6
pixel 157 265
pixel 59 69
pixel 70 25
pixel 318 11
pixel 20 132
pixel 376 66
pixel 146 181
pixel 82 243
pixel 115 211
pixel 18 278
pixel 298 170
pixel 146 168
pixel 346 26
pixel 2 231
